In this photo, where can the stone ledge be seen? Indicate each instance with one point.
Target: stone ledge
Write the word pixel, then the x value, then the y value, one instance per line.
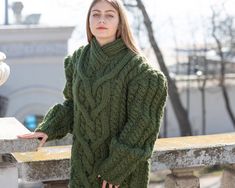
pixel 28 33
pixel 34 49
pixel 42 171
pixel 9 129
pixel 47 164
pixel 193 151
pixel 52 163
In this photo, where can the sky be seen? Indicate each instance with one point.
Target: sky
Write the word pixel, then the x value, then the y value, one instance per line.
pixel 183 20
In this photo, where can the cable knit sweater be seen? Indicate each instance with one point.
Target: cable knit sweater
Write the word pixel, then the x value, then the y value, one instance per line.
pixel 113 106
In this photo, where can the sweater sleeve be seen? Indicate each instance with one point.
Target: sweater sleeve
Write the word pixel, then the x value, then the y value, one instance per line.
pixel 58 121
pixel 146 101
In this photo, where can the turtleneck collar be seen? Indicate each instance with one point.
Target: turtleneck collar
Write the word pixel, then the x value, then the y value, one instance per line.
pixel 95 58
pixel 108 50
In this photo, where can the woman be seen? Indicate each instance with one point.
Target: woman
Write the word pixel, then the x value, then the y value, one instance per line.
pixel 113 105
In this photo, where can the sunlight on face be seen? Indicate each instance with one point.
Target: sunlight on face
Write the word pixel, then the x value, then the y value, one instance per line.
pixel 104 20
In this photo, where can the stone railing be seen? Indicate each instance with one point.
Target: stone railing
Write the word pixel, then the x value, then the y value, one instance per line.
pixel 182 155
pixel 9 128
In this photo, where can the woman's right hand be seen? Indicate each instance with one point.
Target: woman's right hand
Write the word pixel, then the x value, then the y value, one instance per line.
pixel 39 135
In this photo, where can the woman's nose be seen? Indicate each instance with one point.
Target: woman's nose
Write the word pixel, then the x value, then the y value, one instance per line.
pixel 101 20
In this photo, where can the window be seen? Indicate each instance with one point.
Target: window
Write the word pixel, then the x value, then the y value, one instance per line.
pixel 31 121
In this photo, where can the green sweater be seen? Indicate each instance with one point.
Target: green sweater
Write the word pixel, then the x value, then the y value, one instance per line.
pixel 113 106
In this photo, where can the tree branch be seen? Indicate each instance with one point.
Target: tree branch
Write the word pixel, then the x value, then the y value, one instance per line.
pixel 129 5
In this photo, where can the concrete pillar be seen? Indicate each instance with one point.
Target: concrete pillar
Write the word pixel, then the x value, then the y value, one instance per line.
pixel 228 178
pixel 182 178
pixel 8 174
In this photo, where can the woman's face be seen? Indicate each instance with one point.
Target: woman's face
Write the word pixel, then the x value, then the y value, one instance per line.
pixel 104 20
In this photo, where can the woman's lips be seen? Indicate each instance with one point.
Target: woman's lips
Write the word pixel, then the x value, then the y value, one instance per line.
pixel 101 28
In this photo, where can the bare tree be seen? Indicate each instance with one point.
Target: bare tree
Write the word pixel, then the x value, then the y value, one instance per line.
pixel 176 45
pixel 180 112
pixel 222 32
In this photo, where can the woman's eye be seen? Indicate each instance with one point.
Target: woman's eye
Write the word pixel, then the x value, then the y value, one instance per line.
pixel 95 15
pixel 110 16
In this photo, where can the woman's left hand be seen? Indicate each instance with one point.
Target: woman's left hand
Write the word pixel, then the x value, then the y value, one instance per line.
pixel 110 185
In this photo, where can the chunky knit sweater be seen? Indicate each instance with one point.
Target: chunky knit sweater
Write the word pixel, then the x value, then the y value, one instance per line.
pixel 113 107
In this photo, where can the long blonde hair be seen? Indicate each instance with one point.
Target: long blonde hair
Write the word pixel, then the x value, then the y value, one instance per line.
pixel 123 31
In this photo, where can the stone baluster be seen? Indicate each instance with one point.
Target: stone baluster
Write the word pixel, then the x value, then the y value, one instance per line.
pixel 182 178
pixel 9 128
pixel 228 177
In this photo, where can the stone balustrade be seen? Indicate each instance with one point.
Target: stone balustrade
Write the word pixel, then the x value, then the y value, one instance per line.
pixel 9 128
pixel 183 155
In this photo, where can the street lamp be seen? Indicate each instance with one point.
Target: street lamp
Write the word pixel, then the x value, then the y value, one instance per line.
pixel 201 80
pixel 4 69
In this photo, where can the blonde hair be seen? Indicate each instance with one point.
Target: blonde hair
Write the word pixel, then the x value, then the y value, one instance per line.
pixel 123 31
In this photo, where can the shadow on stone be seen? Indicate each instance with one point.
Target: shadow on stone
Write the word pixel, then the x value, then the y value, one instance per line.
pixel 3 105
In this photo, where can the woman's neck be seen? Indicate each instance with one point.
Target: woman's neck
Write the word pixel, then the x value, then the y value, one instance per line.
pixel 103 41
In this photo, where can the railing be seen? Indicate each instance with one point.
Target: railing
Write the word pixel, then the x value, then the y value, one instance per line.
pixel 9 128
pixel 50 165
pixel 183 155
